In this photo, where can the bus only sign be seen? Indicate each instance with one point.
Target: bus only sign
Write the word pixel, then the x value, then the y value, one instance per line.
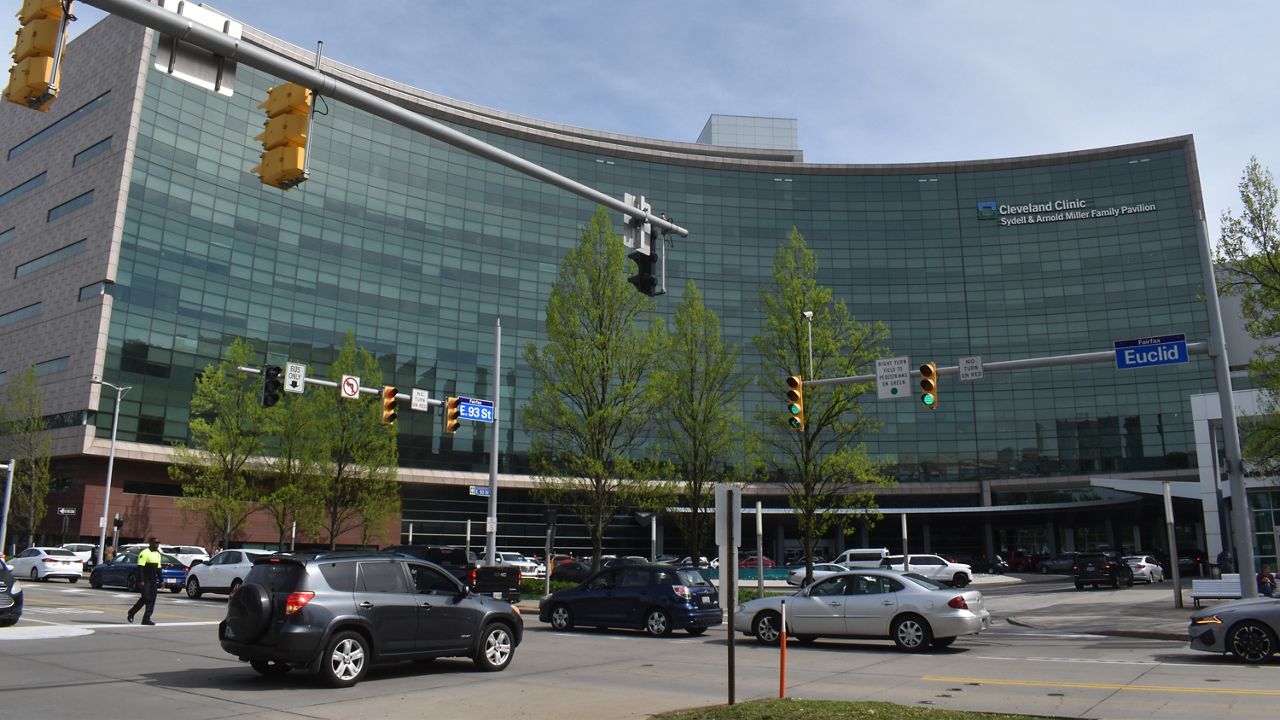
pixel 1152 351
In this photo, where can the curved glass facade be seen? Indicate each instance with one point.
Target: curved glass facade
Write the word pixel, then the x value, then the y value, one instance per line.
pixel 418 247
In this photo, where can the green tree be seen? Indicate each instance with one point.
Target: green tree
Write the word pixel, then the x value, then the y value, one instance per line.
pixel 26 440
pixel 825 466
pixel 357 481
pixel 298 429
pixel 590 400
pixel 1248 253
pixel 701 430
pixel 220 480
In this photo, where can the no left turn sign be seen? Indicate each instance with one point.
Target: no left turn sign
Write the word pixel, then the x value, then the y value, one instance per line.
pixel 350 387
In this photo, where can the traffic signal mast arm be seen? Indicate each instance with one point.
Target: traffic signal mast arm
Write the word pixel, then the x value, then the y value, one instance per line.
pixel 1107 357
pixel 219 43
pixel 433 402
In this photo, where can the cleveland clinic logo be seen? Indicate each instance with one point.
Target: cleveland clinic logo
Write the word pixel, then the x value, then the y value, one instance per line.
pixel 987 210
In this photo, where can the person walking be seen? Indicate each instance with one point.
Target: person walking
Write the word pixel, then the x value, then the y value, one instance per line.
pixel 149 561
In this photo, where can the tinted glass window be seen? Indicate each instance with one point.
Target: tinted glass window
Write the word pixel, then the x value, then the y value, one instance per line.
pixel 278 576
pixel 448 556
pixel 429 580
pixel 382 577
pixel 603 581
pixel 59 552
pixel 693 578
pixel 634 577
pixel 830 586
pixel 340 576
pixel 231 558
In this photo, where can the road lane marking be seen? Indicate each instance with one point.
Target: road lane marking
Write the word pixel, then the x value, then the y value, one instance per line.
pixel 1086 661
pixel 1101 686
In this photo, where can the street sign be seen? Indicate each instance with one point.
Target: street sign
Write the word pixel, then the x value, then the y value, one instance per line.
pixel 971 368
pixel 728 515
pixel 66 511
pixel 295 377
pixel 1150 352
pixel 420 400
pixel 349 387
pixel 478 410
pixel 479 490
pixel 893 377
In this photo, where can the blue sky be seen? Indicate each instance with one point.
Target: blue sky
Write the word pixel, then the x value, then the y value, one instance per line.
pixel 886 82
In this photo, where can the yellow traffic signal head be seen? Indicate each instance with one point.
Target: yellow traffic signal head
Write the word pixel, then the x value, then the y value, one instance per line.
pixel 452 417
pixel 389 404
pixel 284 136
pixel 795 402
pixel 34 77
pixel 929 385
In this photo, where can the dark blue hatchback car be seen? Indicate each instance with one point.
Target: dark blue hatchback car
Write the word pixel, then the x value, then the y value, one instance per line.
pixel 655 598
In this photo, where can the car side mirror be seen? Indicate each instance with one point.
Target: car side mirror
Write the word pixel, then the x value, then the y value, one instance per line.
pixel 464 592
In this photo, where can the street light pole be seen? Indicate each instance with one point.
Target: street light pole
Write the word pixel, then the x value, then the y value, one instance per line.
pixel 111 463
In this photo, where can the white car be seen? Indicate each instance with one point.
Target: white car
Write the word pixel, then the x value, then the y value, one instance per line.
pixel 42 563
pixel 862 557
pixel 934 568
pixel 87 552
pixel 189 555
pixel 223 573
pixel 527 567
pixel 915 612
pixel 820 571
pixel 1145 569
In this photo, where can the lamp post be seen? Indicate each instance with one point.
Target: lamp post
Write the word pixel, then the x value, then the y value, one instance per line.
pixel 808 315
pixel 111 463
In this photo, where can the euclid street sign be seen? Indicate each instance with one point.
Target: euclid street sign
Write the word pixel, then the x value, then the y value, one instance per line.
pixel 1152 351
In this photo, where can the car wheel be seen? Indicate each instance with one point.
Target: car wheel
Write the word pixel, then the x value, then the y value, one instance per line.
pixel 940 643
pixel 193 588
pixel 767 627
pixel 1080 586
pixel 911 633
pixel 8 623
pixel 960 580
pixel 346 658
pixel 74 578
pixel 269 668
pixel 562 617
pixel 175 589
pixel 806 639
pixel 1251 642
pixel 496 648
pixel 1044 569
pixel 35 575
pixel 95 581
pixel 1115 582
pixel 657 623
pixel 235 585
pixel 131 583
pixel 695 630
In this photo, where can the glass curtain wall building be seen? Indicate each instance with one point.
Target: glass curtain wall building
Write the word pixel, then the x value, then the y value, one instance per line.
pixel 135 244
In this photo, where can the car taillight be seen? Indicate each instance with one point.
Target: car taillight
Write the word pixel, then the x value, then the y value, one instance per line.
pixel 48 559
pixel 958 603
pixel 682 592
pixel 471 578
pixel 1139 566
pixel 519 577
pixel 296 601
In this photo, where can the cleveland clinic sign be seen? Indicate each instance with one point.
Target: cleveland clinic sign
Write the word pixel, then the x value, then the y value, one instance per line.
pixel 1055 211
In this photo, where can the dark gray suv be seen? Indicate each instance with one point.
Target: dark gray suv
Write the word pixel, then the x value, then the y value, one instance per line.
pixel 337 614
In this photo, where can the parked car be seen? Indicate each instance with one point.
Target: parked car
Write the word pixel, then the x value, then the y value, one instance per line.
pixel 1145 569
pixel 626 560
pixel 498 581
pixel 529 568
pixel 820 571
pixel 862 557
pixel 43 563
pixel 655 598
pixel 1192 561
pixel 87 552
pixel 572 571
pixel 915 612
pixel 933 567
pixel 1020 560
pixel 223 573
pixel 702 561
pixel 753 560
pixel 189 555
pixel 341 613
pixel 994 565
pixel 1245 628
pixel 1101 569
pixel 1060 563
pixel 457 561
pixel 10 596
pixel 123 571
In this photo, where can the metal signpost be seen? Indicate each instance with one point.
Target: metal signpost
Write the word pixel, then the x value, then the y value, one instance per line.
pixel 4 515
pixel 729 537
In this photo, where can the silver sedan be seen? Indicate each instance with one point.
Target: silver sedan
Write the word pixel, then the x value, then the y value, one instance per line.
pixel 915 612
pixel 1245 628
pixel 820 571
pixel 1145 569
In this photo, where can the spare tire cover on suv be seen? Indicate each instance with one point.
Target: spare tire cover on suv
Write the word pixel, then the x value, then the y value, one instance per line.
pixel 248 612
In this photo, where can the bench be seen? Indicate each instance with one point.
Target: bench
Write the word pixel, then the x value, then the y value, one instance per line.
pixel 1228 588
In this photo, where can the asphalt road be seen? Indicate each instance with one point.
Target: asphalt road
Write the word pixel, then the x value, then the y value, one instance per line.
pixel 74 656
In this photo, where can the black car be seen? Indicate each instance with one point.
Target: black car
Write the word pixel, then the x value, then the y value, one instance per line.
pixel 338 613
pixel 1101 569
pixel 572 571
pixel 655 598
pixel 10 597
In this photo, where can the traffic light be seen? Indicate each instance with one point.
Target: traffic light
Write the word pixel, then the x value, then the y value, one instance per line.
pixel 795 402
pixel 284 136
pixel 271 385
pixel 34 76
pixel 452 415
pixel 389 403
pixel 929 385
pixel 645 279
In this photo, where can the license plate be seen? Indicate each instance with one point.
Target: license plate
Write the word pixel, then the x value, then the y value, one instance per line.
pixel 706 599
pixel 497 595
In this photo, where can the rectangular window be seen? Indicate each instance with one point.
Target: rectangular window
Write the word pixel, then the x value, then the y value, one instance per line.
pixel 18 191
pixel 14 316
pixel 4 375
pixel 46 260
pixel 98 289
pixel 48 367
pixel 6 235
pixel 91 152
pixel 70 206
pixel 61 124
